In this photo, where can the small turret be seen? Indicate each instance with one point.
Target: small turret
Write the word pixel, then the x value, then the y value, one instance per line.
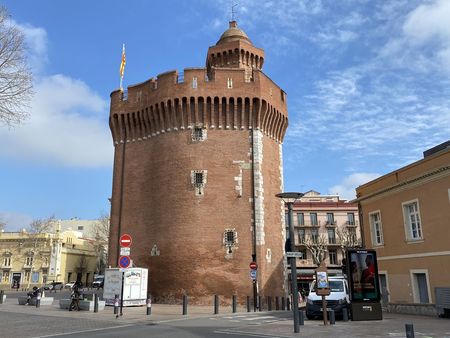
pixel 235 50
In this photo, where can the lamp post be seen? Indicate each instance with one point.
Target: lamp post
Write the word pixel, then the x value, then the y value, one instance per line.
pixel 289 198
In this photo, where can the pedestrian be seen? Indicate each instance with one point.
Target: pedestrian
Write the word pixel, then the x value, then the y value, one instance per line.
pixel 75 296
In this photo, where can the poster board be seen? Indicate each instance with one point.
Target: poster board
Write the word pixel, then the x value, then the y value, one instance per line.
pixel 363 278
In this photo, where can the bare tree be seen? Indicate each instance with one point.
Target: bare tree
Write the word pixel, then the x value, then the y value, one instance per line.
pixel 100 232
pixel 36 242
pixel 16 81
pixel 347 238
pixel 317 246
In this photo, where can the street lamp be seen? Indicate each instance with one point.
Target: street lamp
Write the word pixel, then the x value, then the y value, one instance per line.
pixel 289 198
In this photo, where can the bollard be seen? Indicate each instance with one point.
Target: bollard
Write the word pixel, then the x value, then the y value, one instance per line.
pixel 409 330
pixel 301 317
pixel 234 304
pixel 260 303
pixel 283 303
pixel 116 305
pixel 216 304
pixel 149 305
pixel 185 301
pixel 332 317
pixel 95 302
pixel 277 303
pixel 38 300
pixel 1 296
pixel 269 303
pixel 248 303
pixel 345 314
pixel 288 304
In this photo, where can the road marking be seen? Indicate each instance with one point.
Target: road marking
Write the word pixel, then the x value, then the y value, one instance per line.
pixel 83 331
pixel 244 333
pixel 257 318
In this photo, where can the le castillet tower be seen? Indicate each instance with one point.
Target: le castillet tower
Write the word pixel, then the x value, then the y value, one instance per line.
pixel 197 164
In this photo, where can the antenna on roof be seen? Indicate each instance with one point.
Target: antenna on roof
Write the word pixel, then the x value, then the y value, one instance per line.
pixel 233 12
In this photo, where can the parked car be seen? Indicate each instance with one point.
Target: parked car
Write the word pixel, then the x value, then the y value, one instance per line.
pixel 98 281
pixel 337 300
pixel 53 286
pixel 71 284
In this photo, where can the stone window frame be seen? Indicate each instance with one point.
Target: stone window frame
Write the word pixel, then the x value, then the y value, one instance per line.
pixel 410 226
pixel 230 239
pixel 199 185
pixel 199 134
pixel 230 83
pixel 376 228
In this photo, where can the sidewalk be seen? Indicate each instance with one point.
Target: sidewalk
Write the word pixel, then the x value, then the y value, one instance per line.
pixel 159 313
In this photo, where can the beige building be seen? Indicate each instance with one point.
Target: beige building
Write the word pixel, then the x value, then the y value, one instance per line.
pixel 405 218
pixel 34 259
pixel 324 227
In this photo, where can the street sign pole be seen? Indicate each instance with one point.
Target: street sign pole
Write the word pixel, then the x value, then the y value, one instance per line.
pixel 121 294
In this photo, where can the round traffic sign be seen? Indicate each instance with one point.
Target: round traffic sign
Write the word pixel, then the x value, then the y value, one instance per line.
pixel 253 266
pixel 125 241
pixel 124 261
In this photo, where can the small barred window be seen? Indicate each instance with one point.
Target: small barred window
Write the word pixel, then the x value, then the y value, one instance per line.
pixel 198 134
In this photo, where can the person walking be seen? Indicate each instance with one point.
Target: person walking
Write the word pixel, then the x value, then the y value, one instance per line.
pixel 75 296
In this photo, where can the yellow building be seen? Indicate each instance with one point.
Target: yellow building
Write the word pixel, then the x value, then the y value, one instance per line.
pixel 405 218
pixel 29 259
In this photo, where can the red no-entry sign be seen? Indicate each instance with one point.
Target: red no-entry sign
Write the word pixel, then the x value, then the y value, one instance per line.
pixel 125 241
pixel 253 266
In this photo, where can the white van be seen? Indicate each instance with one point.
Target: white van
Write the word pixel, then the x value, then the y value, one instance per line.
pixel 337 300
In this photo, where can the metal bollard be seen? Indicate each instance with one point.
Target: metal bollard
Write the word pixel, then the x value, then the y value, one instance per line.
pixel 288 304
pixel 149 305
pixel 1 296
pixel 260 303
pixel 38 300
pixel 409 330
pixel 95 302
pixel 345 314
pixel 277 303
pixel 332 317
pixel 216 304
pixel 185 302
pixel 248 303
pixel 283 303
pixel 301 317
pixel 269 303
pixel 116 305
pixel 234 304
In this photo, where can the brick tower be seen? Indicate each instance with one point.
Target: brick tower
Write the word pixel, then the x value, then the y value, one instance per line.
pixel 197 158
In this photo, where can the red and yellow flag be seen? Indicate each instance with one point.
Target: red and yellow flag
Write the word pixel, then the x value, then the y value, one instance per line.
pixel 124 61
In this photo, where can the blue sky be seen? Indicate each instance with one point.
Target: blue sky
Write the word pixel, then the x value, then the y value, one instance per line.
pixel 368 86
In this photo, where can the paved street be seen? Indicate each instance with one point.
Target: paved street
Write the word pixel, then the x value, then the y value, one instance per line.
pixel 166 321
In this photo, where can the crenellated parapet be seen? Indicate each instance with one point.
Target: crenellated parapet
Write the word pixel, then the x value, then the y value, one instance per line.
pixel 226 99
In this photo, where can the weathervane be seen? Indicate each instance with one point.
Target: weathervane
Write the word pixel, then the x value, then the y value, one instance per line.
pixel 233 12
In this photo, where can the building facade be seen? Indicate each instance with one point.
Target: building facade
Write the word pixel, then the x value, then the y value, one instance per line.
pixel 198 161
pixel 325 226
pixel 405 218
pixel 29 259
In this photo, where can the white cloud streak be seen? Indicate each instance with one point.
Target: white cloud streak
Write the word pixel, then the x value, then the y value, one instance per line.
pixel 67 127
pixel 346 188
pixel 69 122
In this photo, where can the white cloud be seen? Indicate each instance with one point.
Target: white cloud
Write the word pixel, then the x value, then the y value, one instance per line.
pixel 36 45
pixel 346 189
pixel 68 126
pixel 429 21
pixel 15 221
pixel 69 122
